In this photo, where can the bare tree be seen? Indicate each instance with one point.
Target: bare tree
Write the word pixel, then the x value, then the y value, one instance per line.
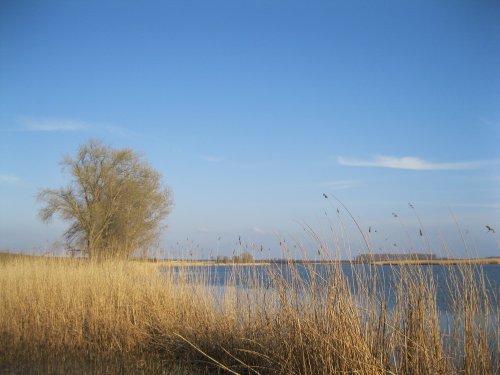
pixel 115 202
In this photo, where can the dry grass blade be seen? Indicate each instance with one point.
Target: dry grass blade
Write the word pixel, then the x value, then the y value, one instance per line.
pixel 222 366
pixel 240 361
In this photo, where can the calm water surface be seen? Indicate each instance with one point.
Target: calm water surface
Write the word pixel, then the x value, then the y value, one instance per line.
pixel 389 277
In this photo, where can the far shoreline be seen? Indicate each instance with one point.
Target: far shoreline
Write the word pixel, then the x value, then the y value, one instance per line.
pixel 8 255
pixel 438 262
pixel 423 262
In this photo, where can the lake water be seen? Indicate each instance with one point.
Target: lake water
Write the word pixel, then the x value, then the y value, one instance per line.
pixel 444 278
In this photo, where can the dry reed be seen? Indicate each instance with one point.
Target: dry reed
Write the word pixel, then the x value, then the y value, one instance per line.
pixel 284 321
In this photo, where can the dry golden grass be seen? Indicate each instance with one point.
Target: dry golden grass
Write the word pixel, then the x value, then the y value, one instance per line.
pixel 130 312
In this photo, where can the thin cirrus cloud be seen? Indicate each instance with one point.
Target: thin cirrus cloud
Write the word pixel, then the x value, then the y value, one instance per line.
pixel 67 125
pixel 8 179
pixel 410 163
pixel 51 125
pixel 259 230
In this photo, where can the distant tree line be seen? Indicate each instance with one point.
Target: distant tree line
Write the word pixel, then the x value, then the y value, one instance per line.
pixel 242 258
pixel 366 258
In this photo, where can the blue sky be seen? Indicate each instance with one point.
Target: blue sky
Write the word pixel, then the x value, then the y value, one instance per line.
pixel 251 110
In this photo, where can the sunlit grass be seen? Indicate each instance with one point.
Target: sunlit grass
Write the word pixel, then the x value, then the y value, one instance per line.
pixel 174 321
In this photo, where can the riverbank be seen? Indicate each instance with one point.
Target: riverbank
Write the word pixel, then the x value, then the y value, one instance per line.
pixel 5 256
pixel 184 263
pixel 441 262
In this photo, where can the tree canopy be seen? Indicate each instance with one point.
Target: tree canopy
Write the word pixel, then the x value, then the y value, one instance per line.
pixel 115 202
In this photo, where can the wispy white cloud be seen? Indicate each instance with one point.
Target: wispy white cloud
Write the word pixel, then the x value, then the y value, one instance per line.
pixel 30 124
pixel 259 230
pixel 8 179
pixel 412 163
pixel 339 185
pixel 211 158
pixel 51 125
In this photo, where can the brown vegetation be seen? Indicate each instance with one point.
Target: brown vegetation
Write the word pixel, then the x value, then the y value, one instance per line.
pixel 131 312
pixel 114 204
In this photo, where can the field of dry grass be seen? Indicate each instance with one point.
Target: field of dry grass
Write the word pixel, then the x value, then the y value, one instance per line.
pixel 131 315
